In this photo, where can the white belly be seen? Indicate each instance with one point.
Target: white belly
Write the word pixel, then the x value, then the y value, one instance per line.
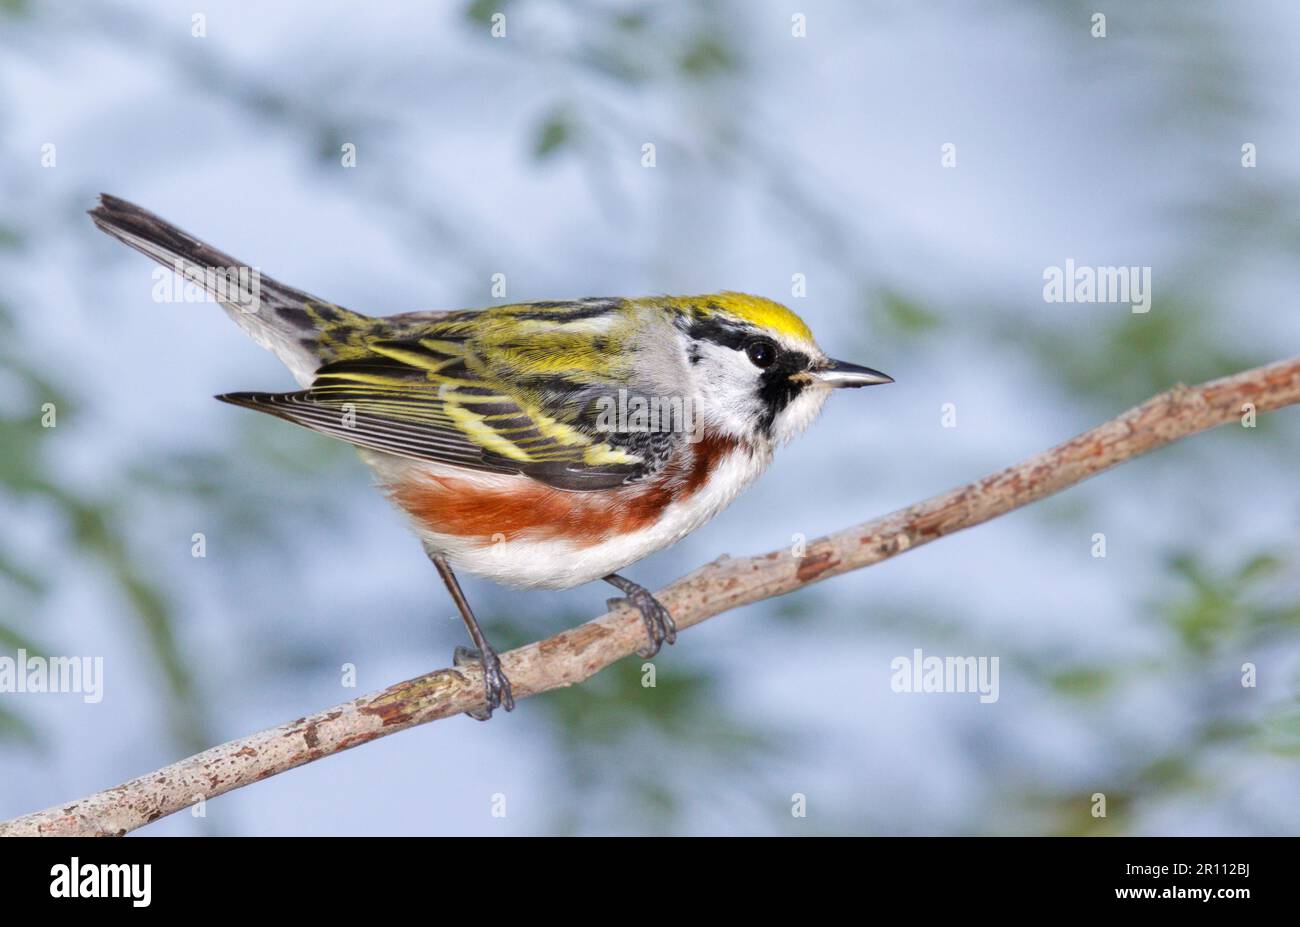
pixel 561 564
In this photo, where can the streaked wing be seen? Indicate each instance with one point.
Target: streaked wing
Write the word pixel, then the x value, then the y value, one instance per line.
pixel 417 397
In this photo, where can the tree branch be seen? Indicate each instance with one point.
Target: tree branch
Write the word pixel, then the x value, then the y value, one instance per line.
pixel 727 583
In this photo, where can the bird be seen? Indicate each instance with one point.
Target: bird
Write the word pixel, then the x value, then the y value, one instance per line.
pixel 543 444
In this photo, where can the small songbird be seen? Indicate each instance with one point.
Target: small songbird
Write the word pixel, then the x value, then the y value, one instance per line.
pixel 543 444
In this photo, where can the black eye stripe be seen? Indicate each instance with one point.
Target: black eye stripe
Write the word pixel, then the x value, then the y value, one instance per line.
pixel 718 332
pixel 736 337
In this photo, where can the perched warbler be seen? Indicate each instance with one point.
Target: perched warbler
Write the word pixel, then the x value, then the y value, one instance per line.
pixel 528 443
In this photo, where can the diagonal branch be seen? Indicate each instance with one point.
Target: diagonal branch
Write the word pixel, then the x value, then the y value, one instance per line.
pixel 727 583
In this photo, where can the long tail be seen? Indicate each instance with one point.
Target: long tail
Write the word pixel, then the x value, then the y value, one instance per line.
pixel 286 321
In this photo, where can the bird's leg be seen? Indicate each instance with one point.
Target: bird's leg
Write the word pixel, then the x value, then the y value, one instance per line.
pixel 658 623
pixel 495 684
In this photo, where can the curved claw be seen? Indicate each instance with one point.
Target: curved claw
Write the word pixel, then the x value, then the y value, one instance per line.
pixel 496 687
pixel 659 625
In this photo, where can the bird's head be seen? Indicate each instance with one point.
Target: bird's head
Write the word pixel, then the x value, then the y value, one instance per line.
pixel 757 372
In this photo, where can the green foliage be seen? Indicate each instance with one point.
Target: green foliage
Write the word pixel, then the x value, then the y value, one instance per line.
pixel 898 315
pixel 480 11
pixel 1233 606
pixel 555 132
pixel 1123 357
pixel 1280 732
pixel 14 728
pixel 708 55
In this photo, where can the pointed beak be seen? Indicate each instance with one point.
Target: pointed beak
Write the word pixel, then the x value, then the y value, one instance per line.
pixel 842 374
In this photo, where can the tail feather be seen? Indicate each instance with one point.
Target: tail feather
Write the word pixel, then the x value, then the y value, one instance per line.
pixel 280 318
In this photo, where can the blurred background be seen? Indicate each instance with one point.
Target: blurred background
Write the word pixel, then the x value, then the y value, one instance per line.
pixel 775 155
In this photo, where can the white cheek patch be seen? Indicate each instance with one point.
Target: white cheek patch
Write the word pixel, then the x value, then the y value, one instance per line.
pixel 726 389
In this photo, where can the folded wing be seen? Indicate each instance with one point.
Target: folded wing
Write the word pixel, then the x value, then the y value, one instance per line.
pixel 419 397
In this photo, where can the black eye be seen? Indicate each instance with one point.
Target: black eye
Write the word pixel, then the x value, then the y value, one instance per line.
pixel 761 353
